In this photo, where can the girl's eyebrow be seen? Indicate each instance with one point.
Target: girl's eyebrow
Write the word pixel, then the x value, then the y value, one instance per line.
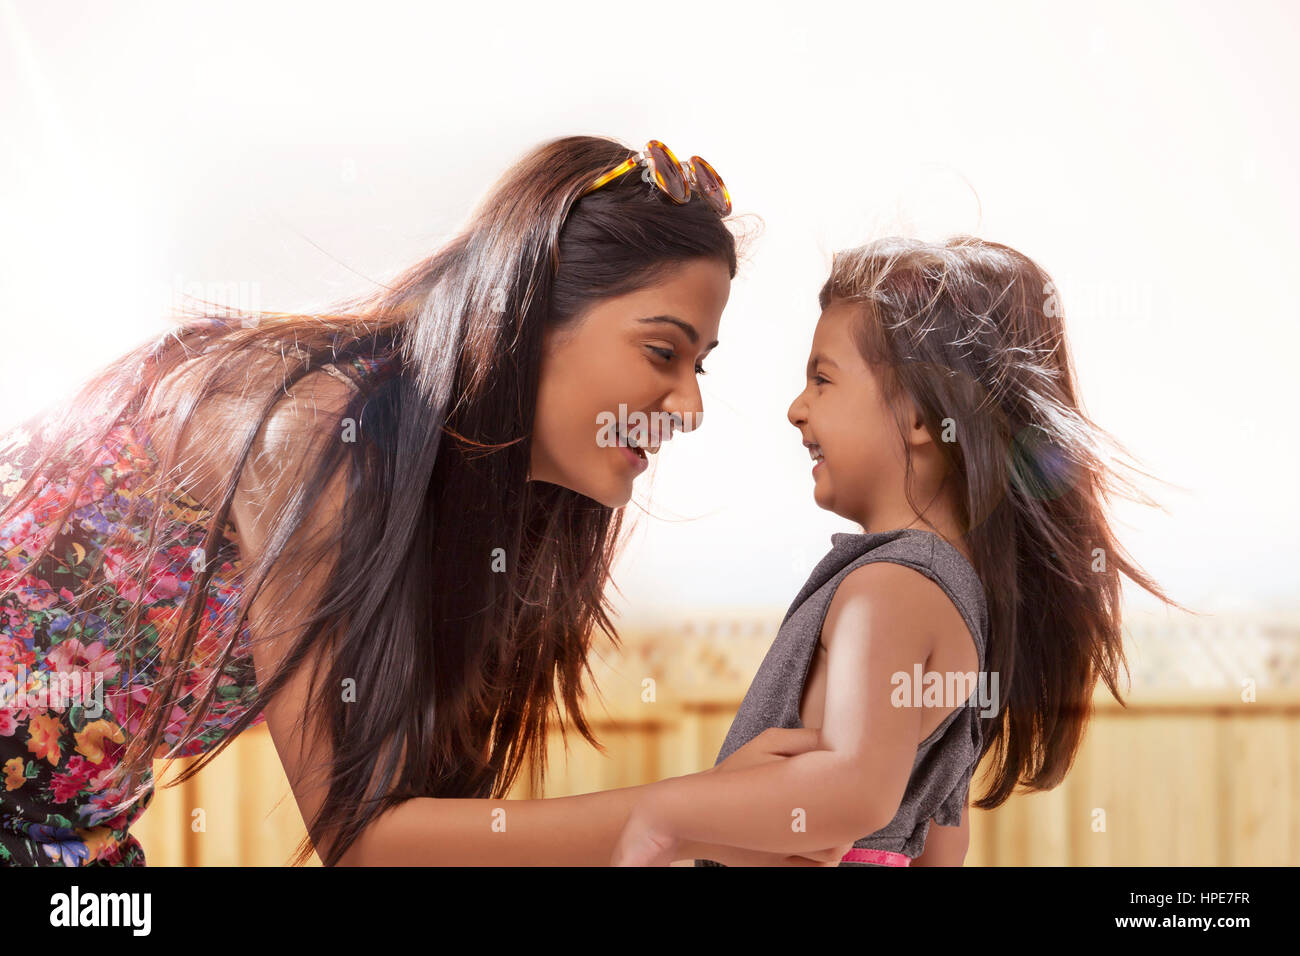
pixel 812 362
pixel 684 326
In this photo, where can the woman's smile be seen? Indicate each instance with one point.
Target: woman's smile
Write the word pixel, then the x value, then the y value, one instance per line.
pixel 634 454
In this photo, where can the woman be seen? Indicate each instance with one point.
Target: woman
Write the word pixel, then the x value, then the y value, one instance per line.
pixel 387 531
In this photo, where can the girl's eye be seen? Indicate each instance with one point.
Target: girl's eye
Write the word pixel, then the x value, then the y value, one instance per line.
pixel 820 380
pixel 668 355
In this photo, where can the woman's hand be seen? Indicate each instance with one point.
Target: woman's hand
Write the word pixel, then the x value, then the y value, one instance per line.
pixel 645 841
pixel 648 840
pixel 774 743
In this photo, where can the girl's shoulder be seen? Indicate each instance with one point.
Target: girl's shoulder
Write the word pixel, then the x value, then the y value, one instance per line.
pixel 916 575
pixel 893 596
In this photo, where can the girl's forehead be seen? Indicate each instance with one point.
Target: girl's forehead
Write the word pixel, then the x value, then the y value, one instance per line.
pixel 843 310
pixel 833 323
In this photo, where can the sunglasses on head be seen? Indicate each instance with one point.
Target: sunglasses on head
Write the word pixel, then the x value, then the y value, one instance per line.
pixel 662 168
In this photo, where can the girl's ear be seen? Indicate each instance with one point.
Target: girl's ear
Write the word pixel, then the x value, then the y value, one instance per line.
pixel 906 413
pixel 913 421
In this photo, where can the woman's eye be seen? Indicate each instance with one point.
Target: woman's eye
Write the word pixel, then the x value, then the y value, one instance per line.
pixel 820 380
pixel 668 355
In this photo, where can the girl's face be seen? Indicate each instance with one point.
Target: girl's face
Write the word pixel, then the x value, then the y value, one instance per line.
pixel 843 417
pixel 641 351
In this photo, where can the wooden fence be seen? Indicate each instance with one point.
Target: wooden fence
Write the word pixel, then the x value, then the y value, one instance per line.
pixel 1173 779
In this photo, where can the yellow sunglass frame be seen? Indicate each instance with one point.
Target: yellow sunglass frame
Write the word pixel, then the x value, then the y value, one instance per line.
pixel 651 173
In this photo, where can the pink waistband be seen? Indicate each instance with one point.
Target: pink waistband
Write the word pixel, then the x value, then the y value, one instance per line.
pixel 883 857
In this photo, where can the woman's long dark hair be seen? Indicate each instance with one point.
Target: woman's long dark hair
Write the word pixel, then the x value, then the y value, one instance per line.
pixel 456 664
pixel 973 333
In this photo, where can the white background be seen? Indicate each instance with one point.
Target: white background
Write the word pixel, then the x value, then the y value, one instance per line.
pixel 281 155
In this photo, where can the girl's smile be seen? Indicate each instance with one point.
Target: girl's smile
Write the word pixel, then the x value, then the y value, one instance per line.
pixel 818 456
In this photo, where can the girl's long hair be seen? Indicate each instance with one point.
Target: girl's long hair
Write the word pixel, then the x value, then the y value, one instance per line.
pixel 973 333
pixel 464 597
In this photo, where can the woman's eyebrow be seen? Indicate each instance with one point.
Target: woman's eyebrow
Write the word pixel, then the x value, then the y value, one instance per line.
pixel 684 326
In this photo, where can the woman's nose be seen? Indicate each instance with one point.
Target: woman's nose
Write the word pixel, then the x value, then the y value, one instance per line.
pixel 685 409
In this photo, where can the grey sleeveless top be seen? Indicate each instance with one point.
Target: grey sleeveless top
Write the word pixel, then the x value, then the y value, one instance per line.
pixel 946 760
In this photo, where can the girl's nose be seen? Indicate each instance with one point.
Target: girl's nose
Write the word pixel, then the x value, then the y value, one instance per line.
pixel 796 412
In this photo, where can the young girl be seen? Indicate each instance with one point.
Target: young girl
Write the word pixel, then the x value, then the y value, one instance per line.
pixel 979 606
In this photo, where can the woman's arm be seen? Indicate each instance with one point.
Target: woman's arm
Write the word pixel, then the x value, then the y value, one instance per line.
pixel 576 830
pixel 526 831
pixel 853 787
pixel 557 831
pixel 424 831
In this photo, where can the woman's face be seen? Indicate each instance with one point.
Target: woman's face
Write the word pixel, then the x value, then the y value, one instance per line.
pixel 640 351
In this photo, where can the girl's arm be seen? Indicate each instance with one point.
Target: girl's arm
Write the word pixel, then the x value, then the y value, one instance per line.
pixel 946 846
pixel 874 630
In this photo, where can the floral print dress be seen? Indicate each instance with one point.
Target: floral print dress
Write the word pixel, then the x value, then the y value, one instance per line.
pixel 56 748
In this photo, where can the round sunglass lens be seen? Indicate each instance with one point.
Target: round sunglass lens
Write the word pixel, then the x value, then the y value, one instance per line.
pixel 710 185
pixel 669 173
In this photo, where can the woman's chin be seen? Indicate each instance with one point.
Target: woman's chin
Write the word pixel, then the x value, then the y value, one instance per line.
pixel 615 497
pixel 613 502
pixel 612 494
